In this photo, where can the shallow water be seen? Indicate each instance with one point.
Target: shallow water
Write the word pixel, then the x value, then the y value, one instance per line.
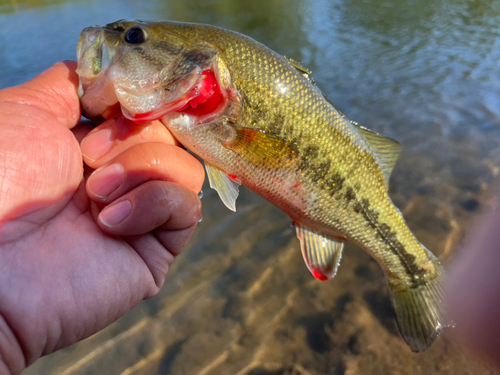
pixel 239 300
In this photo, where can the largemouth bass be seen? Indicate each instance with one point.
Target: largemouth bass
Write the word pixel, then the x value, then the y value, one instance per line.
pixel 257 118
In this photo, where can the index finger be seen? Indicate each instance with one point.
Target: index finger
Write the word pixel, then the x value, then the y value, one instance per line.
pixel 54 91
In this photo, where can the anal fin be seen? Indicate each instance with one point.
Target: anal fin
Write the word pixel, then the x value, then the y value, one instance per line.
pixel 322 254
pixel 224 185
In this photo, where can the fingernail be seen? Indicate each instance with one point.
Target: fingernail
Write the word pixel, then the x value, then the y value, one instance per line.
pixel 97 144
pixel 106 180
pixel 114 214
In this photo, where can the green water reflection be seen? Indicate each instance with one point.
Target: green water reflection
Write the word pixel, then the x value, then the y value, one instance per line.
pixel 11 6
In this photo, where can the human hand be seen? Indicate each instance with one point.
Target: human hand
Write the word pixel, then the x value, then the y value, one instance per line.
pixel 474 290
pixel 66 270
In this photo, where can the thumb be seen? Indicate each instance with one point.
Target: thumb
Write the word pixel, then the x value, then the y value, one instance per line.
pixel 54 91
pixel 40 160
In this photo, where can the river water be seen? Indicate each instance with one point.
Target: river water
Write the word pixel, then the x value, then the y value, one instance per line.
pixel 239 300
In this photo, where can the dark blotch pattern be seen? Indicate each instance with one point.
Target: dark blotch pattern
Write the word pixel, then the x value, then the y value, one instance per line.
pixel 350 195
pixel 308 154
pixel 408 261
pixel 321 172
pixel 335 182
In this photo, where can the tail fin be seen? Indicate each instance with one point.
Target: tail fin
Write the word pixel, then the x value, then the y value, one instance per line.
pixel 420 311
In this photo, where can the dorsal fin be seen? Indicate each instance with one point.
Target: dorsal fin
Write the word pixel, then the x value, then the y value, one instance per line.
pixel 306 73
pixel 385 150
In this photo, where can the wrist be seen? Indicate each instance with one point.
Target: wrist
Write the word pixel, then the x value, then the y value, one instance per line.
pixel 12 360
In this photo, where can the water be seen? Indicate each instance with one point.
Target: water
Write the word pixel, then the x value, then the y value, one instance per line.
pixel 239 300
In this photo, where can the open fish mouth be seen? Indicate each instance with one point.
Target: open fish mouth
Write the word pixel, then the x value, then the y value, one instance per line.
pixel 143 97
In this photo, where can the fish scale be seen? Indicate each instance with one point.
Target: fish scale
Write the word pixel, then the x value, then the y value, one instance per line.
pixel 278 135
pixel 260 78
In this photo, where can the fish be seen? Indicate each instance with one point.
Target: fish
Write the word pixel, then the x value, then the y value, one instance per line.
pixel 258 119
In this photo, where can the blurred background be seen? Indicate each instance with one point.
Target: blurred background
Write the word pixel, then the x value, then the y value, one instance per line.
pixel 240 300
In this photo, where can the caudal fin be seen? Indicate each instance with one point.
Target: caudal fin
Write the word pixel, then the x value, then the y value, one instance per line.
pixel 420 311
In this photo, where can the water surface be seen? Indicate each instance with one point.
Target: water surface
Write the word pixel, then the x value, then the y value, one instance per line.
pixel 239 300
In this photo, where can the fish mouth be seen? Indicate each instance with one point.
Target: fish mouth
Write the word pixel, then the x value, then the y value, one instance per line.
pixel 95 57
pixel 101 89
pixel 89 52
pixel 105 89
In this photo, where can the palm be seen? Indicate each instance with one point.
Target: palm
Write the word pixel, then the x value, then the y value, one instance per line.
pixel 62 276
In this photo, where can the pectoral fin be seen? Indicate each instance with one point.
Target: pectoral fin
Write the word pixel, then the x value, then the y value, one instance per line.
pixel 224 185
pixel 322 254
pixel 262 149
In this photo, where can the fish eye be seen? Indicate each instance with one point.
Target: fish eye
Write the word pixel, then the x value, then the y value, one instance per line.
pixel 135 35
